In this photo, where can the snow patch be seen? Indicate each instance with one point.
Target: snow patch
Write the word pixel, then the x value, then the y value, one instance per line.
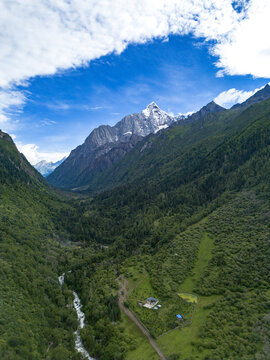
pixel 46 168
pixel 159 118
pixel 160 127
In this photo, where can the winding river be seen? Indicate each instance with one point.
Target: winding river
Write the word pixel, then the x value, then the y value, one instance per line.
pixel 81 317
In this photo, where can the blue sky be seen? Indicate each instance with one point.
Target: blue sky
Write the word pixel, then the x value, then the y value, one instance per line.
pixel 53 101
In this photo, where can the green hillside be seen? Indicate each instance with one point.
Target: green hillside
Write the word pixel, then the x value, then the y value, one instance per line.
pixel 32 315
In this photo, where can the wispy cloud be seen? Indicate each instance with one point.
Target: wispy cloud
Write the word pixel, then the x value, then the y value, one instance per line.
pixel 64 106
pixel 11 102
pixel 45 122
pixel 58 105
pixel 92 108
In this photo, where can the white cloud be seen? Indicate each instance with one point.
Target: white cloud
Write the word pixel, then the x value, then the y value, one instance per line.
pixel 246 48
pixel 33 155
pixel 43 37
pixel 233 96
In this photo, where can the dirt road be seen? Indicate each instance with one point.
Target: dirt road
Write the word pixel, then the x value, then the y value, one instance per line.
pixel 122 295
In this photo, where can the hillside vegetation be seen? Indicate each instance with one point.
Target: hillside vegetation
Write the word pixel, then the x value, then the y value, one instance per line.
pixel 32 316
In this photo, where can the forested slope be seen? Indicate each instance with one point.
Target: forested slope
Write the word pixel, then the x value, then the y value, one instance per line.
pixel 33 320
pixel 37 319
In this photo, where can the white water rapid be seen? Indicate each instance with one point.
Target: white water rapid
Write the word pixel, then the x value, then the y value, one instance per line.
pixel 81 317
pixel 61 279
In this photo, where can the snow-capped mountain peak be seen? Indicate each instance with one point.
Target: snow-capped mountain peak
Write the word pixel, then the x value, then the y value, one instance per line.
pixel 153 110
pixel 150 109
pixel 47 167
pixel 159 118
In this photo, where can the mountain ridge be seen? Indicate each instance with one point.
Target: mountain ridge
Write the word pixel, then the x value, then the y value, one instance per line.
pixel 209 108
pixel 106 139
pixel 260 95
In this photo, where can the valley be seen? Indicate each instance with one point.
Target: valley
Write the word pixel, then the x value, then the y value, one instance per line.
pixel 180 222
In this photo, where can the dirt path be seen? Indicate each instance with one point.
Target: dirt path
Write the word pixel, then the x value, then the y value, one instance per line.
pixel 122 295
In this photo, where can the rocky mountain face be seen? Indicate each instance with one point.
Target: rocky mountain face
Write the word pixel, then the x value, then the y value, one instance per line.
pixel 106 144
pixel 106 160
pixel 45 168
pixel 150 120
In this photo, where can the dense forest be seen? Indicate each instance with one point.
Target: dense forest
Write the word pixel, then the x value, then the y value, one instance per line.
pixel 185 212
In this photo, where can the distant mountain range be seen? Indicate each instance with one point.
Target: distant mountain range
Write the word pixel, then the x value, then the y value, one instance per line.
pixel 45 168
pixel 107 144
